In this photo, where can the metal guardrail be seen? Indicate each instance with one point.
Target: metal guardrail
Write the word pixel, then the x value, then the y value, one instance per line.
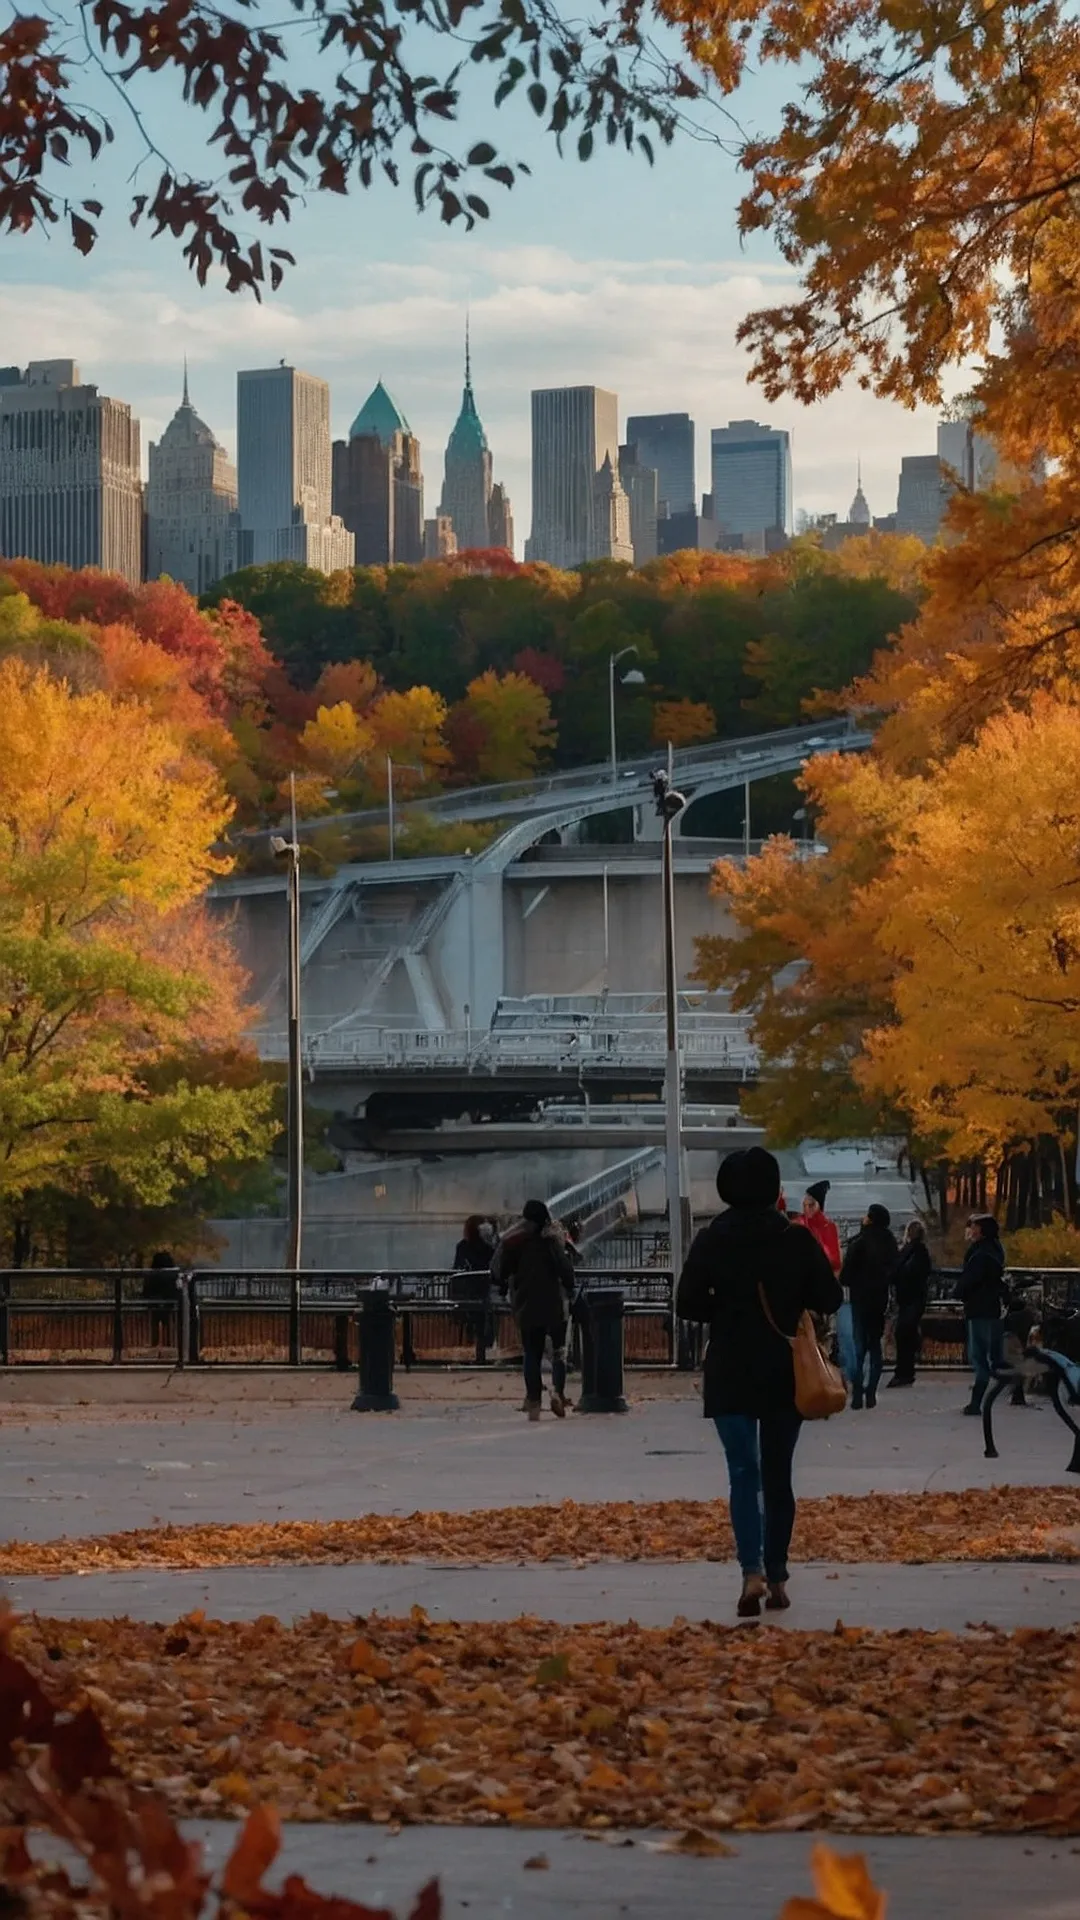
pixel 274 1317
pixel 418 1049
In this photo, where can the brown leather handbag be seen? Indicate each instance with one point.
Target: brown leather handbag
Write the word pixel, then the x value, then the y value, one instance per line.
pixel 819 1386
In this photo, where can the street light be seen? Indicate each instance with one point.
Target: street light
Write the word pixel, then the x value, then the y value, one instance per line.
pixel 290 850
pixel 634 678
pixel 669 804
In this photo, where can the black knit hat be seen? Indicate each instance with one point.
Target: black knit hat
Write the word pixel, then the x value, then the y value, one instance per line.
pixel 879 1216
pixel 750 1178
pixel 818 1191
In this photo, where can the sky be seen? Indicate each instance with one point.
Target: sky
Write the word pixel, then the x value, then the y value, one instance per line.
pixel 611 274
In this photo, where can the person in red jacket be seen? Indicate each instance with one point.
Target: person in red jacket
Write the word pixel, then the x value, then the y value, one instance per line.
pixel 823 1229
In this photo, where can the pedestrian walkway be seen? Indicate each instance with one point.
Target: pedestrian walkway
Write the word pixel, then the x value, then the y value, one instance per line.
pixel 484 1876
pixel 942 1597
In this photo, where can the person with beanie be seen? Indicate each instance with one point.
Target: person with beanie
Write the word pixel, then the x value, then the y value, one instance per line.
pixel 911 1285
pixel 753 1257
pixel 983 1294
pixel 867 1272
pixel 823 1229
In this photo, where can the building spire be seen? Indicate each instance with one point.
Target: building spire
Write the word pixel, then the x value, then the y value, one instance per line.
pixel 185 401
pixel 468 357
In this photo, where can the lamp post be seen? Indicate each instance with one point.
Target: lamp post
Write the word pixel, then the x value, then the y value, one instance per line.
pixel 289 850
pixel 632 679
pixel 390 795
pixel 669 804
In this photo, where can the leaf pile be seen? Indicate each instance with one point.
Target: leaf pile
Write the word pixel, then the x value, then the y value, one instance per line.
pixel 691 1726
pixel 985 1523
pixel 58 1775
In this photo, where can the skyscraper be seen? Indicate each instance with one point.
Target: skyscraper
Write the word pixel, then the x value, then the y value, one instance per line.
pixel 580 511
pixel 378 485
pixel 666 441
pixel 466 493
pixel 751 478
pixel 70 485
pixel 859 514
pixel 190 503
pixel 641 484
pixel 920 501
pixel 500 519
pixel 283 447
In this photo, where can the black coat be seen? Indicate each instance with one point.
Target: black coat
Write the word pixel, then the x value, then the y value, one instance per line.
pixel 869 1265
pixel 533 1265
pixel 911 1281
pixel 981 1286
pixel 472 1256
pixel 748 1366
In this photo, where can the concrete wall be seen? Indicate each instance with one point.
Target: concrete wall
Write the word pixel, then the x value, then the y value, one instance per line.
pixel 558 946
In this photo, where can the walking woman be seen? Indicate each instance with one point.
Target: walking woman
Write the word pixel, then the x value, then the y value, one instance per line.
pixel 749 1264
pixel 869 1265
pixel 911 1284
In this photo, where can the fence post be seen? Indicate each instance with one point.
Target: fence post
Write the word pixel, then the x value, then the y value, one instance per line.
pixel 376 1385
pixel 5 1321
pixel 686 1346
pixel 194 1323
pixel 602 1352
pixel 341 1342
pixel 118 1319
pixel 294 1320
pixel 183 1318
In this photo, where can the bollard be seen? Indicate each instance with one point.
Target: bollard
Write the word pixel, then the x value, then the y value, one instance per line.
pixel 376 1392
pixel 602 1352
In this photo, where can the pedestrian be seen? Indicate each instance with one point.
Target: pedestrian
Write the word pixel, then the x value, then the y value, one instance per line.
pixel 983 1293
pixel 823 1229
pixel 749 1276
pixel 473 1251
pixel 532 1265
pixel 1020 1318
pixel 161 1291
pixel 869 1265
pixel 911 1285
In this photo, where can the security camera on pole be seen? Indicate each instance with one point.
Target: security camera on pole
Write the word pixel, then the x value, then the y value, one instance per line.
pixel 669 804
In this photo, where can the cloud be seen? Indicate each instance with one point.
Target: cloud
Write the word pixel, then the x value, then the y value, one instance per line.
pixel 660 332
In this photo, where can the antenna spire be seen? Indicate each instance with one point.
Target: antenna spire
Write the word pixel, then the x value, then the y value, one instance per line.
pixel 186 402
pixel 468 356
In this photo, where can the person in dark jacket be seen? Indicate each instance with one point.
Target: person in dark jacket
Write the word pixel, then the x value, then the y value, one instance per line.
pixel 983 1293
pixel 161 1291
pixel 473 1251
pixel 911 1284
pixel 470 1279
pixel 867 1272
pixel 750 1251
pixel 532 1264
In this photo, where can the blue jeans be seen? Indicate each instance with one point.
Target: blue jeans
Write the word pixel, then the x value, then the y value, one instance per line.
pixel 984 1345
pixel 867 1347
pixel 759 1458
pixel 845 1340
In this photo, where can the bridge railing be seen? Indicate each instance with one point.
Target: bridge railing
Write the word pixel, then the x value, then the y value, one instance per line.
pixel 716 1039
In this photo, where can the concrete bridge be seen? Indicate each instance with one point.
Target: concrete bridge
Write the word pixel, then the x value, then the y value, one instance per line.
pixel 408 963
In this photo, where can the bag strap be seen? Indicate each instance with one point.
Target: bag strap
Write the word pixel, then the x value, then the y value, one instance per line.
pixel 766 1310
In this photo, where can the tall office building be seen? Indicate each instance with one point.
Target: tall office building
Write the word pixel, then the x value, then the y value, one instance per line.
pixel 920 501
pixel 378 485
pixel 580 511
pixel 641 485
pixel 70 484
pixel 467 484
pixel 751 478
pixel 859 515
pixel 191 503
pixel 500 519
pixel 666 441
pixel 283 449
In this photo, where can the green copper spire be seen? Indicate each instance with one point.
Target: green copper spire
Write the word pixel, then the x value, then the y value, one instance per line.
pixel 379 416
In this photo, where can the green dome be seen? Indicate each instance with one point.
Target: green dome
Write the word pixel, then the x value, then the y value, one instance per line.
pixel 379 416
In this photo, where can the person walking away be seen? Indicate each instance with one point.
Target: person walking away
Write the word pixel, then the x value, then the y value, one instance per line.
pixel 161 1291
pixel 751 1258
pixel 472 1259
pixel 911 1285
pixel 983 1293
pixel 869 1265
pixel 1020 1318
pixel 533 1266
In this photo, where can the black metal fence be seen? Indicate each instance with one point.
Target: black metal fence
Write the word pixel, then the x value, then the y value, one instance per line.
pixel 210 1318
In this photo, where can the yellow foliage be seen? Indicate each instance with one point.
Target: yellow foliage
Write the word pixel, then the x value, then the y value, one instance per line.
pixel 682 722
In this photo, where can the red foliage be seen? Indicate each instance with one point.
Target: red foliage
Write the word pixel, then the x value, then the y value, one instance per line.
pixel 482 560
pixel 547 671
pixel 65 593
pixel 466 737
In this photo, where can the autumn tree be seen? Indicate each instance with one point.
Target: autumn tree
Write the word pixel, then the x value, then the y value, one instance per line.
pixel 106 833
pixel 682 722
pixel 506 721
